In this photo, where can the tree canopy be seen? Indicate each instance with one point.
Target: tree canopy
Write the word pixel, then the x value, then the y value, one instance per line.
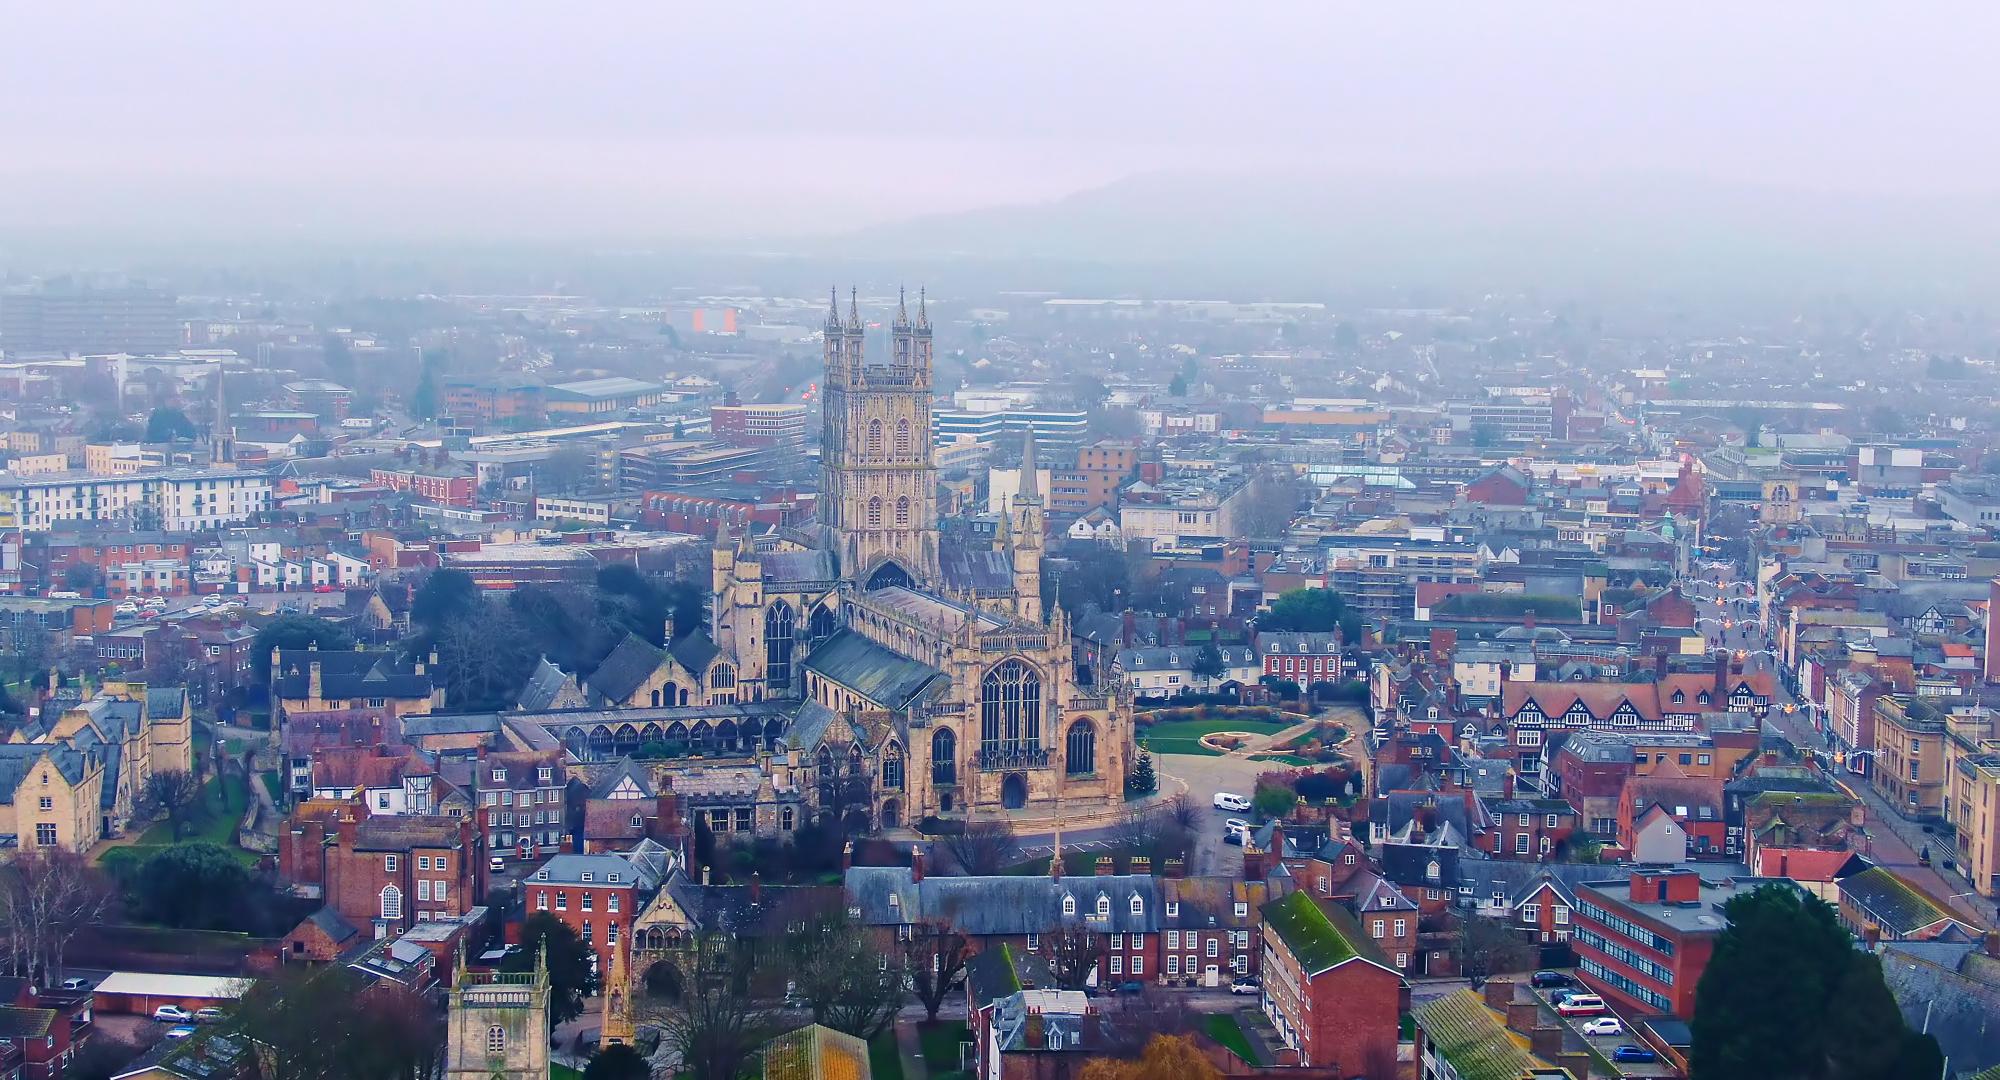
pixel 568 959
pixel 290 632
pixel 166 425
pixel 1787 995
pixel 1316 611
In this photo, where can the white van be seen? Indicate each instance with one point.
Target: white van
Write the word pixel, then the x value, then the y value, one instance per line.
pixel 1232 802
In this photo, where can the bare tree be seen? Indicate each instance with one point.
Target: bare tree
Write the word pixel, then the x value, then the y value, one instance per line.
pixel 1181 809
pixel 1073 953
pixel 986 847
pixel 174 793
pixel 714 1023
pixel 849 984
pixel 1490 947
pixel 1139 1019
pixel 935 957
pixel 47 895
pixel 1156 833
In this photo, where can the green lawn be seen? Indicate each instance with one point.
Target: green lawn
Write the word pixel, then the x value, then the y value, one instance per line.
pixel 884 1062
pixel 940 1042
pixel 1222 1027
pixel 216 825
pixel 560 1071
pixel 1184 736
pixel 274 784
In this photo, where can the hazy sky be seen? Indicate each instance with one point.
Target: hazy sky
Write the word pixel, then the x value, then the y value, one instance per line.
pixel 769 118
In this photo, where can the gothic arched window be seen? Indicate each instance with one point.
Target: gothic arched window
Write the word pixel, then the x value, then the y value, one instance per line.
pixel 875 438
pixel 1081 756
pixel 944 757
pixel 892 767
pixel 496 1040
pixel 778 646
pixel 822 626
pixel 902 438
pixel 875 513
pixel 1010 704
pixel 903 512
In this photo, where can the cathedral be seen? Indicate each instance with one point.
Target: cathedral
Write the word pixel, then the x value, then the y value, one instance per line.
pixel 877 671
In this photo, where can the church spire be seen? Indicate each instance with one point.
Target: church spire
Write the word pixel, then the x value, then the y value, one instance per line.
pixel 923 311
pixel 902 309
pixel 853 308
pixel 833 307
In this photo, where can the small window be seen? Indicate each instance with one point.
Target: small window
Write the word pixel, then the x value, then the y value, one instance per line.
pixel 562 901
pixel 1138 906
pixel 611 902
pixel 1402 927
pixel 587 899
pixel 1173 909
pixel 496 1039
pixel 389 863
pixel 1242 910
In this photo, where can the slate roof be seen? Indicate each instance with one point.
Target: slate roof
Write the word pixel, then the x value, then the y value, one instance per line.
pixel 347 673
pixel 798 568
pixel 543 688
pixel 626 668
pixel 1004 904
pixel 337 929
pixel 809 728
pixel 165 701
pixel 16 759
pixel 974 569
pixel 604 870
pixel 607 780
pixel 1953 991
pixel 1891 901
pixel 1320 939
pixel 990 974
pixel 877 673
pixel 693 651
pixel 732 910
pixel 19 1023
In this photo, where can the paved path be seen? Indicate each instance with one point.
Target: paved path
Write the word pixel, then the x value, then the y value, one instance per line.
pixel 911 1051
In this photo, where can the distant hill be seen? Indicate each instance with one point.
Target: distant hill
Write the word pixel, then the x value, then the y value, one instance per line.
pixel 1505 232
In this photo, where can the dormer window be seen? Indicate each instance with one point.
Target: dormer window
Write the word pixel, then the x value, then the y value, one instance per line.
pixel 1680 697
pixel 1069 905
pixel 545 774
pixel 584 877
pixel 895 901
pixel 613 878
pixel 499 776
pixel 1138 906
pixel 1103 907
pixel 1173 909
pixel 637 821
pixel 541 875
pixel 1433 872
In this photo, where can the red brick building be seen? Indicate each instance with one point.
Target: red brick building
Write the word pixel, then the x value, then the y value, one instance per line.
pixel 1333 1000
pixel 598 896
pixel 1643 943
pixel 451 485
pixel 389 873
pixel 1537 829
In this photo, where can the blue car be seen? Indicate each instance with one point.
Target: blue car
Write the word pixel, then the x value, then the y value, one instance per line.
pixel 1633 1055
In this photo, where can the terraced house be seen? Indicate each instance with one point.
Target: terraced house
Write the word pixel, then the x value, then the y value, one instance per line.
pixel 1333 998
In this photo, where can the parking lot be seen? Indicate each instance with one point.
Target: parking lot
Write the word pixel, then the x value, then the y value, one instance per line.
pixel 1605 1045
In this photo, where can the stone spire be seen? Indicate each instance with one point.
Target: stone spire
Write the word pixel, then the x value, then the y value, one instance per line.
pixel 1031 485
pixel 853 308
pixel 902 309
pixel 833 307
pixel 923 312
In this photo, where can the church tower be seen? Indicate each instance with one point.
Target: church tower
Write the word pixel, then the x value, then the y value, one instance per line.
pixel 1025 535
pixel 498 1026
pixel 878 486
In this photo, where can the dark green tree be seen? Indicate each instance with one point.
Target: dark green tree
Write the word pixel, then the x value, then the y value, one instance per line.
pixel 1178 387
pixel 628 600
pixel 198 886
pixel 290 632
pixel 620 1061
pixel 1207 665
pixel 568 959
pixel 1143 781
pixel 445 596
pixel 82 577
pixel 166 425
pixel 1782 973
pixel 1316 611
pixel 424 399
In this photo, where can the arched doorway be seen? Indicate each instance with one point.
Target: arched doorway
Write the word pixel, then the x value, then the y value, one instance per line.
pixel 663 981
pixel 887 575
pixel 892 814
pixel 1014 791
pixel 855 823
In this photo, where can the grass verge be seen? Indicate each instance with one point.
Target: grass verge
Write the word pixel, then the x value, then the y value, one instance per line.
pixel 1222 1027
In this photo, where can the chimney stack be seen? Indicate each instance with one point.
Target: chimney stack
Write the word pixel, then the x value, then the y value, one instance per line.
pixel 847 856
pixel 704 876
pixel 1105 867
pixel 916 863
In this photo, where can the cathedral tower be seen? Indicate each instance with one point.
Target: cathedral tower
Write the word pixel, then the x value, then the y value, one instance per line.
pixel 498 1026
pixel 878 486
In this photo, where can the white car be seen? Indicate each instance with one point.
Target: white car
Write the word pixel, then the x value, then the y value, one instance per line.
pixel 126 608
pixel 1235 831
pixel 172 1014
pixel 1232 802
pixel 157 603
pixel 1604 1025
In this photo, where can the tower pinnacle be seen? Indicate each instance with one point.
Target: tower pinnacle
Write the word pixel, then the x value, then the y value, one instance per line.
pixel 902 309
pixel 853 308
pixel 833 307
pixel 923 311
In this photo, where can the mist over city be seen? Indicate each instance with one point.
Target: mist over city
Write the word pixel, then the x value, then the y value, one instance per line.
pixel 910 542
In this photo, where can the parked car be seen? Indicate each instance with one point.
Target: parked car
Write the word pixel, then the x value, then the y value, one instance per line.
pixel 180 1031
pixel 1604 1025
pixel 210 1015
pixel 157 603
pixel 172 1014
pixel 1133 986
pixel 1232 802
pixel 1636 1054
pixel 1581 1005
pixel 1245 984
pixel 126 608
pixel 74 983
pixel 497 864
pixel 1544 979
pixel 1235 831
pixel 322 588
